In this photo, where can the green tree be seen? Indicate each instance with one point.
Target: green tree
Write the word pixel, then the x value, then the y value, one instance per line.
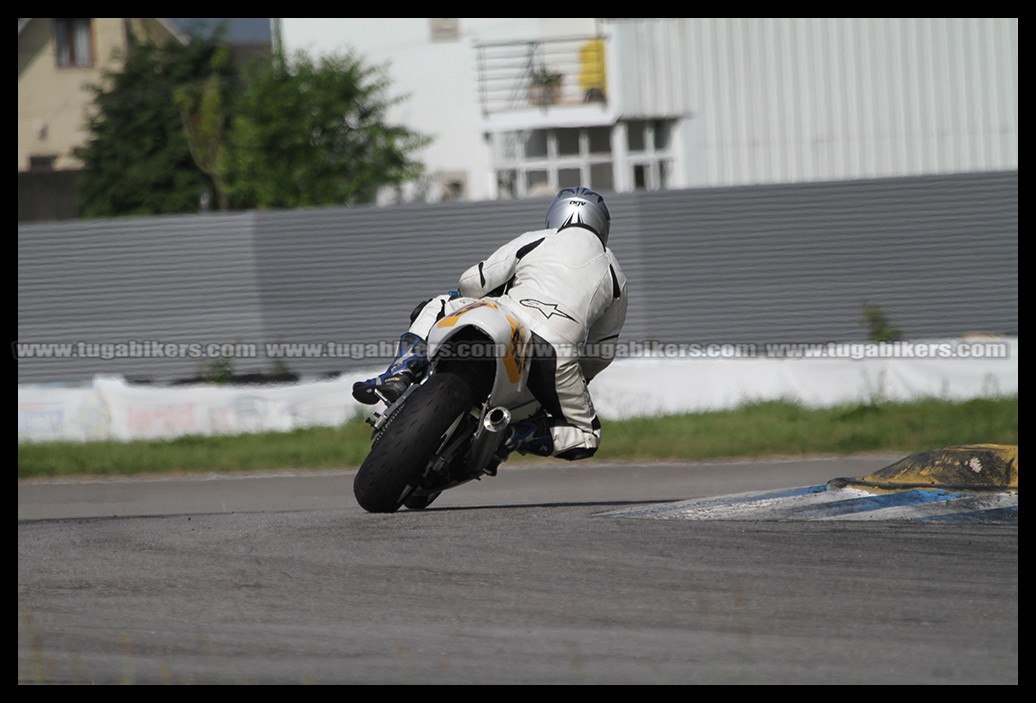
pixel 137 158
pixel 309 133
pixel 203 112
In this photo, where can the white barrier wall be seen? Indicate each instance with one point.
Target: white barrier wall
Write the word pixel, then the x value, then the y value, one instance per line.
pixel 850 373
pixel 669 381
pixel 110 408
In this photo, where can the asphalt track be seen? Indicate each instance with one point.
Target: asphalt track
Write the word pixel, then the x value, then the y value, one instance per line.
pixel 546 574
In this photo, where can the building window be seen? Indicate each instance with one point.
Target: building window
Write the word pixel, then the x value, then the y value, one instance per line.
pixel 74 41
pixel 507 184
pixel 445 28
pixel 650 161
pixel 542 161
pixel 601 177
pixel 568 141
pixel 647 136
pixel 641 176
pixel 569 178
pixel 537 182
pixel 536 145
pixel 41 163
pixel 600 140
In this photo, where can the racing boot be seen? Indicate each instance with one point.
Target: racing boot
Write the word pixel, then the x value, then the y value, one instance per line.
pixel 409 366
pixel 529 436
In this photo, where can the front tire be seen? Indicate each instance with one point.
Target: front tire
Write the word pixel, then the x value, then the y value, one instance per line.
pixel 410 439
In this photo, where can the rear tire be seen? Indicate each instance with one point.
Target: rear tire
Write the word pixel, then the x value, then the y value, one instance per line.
pixel 409 441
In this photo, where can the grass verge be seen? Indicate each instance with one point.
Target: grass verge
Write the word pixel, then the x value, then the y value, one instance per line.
pixel 761 429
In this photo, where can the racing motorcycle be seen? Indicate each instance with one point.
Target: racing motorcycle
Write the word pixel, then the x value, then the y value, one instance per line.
pixel 446 430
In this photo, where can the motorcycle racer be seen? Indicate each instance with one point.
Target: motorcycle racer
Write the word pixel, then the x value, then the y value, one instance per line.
pixel 566 286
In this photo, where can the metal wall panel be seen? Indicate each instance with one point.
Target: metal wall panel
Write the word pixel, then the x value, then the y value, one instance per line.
pixel 776 263
pixel 353 276
pixel 807 99
pixel 790 263
pixel 175 280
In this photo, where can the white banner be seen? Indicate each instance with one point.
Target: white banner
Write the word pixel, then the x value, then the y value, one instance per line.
pixel 666 380
pixel 110 408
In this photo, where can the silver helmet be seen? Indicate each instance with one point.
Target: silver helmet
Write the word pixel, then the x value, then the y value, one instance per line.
pixel 580 206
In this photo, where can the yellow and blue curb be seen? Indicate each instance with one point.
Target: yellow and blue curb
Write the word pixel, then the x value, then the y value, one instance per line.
pixel 976 483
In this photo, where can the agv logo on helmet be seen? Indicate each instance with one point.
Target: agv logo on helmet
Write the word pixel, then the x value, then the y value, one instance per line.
pixel 582 207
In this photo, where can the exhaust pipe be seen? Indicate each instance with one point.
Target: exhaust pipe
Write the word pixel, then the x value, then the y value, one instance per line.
pixel 497 419
pixel 488 438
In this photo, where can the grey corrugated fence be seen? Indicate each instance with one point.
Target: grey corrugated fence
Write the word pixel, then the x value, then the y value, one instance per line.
pixel 777 263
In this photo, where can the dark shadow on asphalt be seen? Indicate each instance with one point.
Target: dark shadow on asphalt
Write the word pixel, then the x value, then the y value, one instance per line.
pixel 516 506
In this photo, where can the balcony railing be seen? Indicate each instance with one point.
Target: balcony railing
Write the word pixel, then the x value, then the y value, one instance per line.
pixel 541 74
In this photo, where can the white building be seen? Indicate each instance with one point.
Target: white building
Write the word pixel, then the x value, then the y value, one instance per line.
pixel 666 103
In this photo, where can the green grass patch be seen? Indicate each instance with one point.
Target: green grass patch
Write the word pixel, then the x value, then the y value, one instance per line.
pixel 760 429
pixel 313 448
pixel 777 428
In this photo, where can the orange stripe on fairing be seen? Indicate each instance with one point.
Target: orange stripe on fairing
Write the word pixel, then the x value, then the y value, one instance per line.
pixel 515 357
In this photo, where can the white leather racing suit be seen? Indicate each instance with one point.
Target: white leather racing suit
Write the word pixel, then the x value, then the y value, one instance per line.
pixel 568 289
